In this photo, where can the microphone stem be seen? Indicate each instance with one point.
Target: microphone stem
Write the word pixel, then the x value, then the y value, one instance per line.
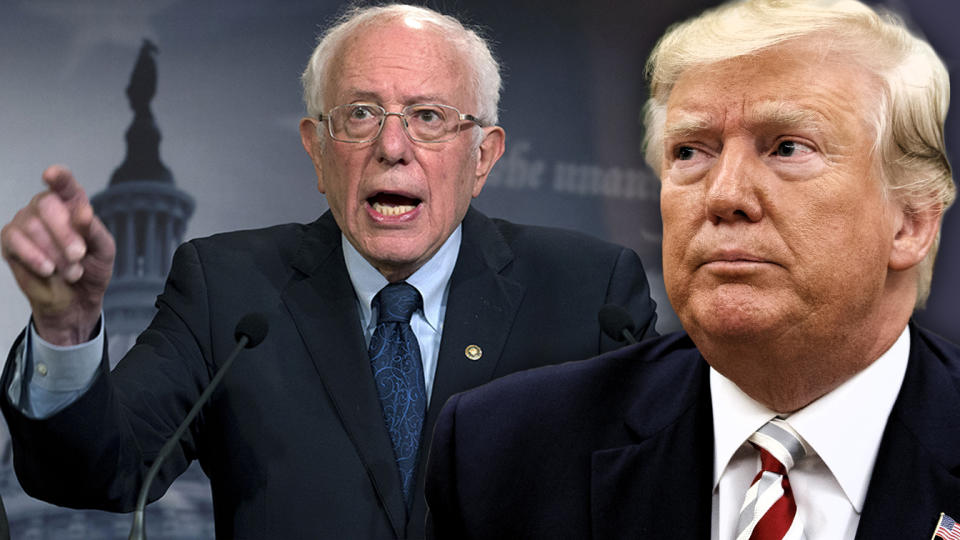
pixel 137 531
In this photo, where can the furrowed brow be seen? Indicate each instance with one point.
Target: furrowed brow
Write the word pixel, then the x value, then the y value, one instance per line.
pixel 366 96
pixel 779 113
pixel 686 125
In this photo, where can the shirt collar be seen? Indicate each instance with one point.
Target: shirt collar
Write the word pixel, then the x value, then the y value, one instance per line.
pixel 844 427
pixel 430 279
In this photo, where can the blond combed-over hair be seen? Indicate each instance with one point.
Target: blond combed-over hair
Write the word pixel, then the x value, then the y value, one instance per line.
pixel 914 88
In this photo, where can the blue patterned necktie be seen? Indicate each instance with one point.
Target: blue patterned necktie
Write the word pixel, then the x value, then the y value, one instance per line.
pixel 398 373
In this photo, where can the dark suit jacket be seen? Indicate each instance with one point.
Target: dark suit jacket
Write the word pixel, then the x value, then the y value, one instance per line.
pixel 294 440
pixel 621 446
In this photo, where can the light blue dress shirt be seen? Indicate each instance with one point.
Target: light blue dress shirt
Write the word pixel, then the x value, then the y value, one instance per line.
pixel 432 280
pixel 52 377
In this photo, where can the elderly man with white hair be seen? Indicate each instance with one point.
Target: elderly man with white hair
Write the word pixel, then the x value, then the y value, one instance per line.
pixel 398 297
pixel 804 178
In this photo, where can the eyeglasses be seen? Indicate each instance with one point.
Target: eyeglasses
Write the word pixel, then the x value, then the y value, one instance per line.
pixel 422 122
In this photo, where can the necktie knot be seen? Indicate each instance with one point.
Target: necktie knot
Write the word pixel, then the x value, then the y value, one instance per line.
pixel 778 442
pixel 769 510
pixel 768 463
pixel 396 302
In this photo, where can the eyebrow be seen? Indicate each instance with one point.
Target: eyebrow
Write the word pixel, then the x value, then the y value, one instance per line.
pixel 366 95
pixel 769 113
pixel 686 125
pixel 783 113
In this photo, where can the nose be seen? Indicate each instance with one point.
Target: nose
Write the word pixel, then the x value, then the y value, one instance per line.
pixel 393 145
pixel 734 185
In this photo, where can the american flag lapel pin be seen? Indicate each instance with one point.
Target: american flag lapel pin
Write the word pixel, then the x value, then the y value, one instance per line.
pixel 947 529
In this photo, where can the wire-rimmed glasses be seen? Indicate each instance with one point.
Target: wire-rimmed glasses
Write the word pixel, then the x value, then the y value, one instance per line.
pixel 422 122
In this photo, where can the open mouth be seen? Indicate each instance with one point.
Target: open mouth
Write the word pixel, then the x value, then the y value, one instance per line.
pixel 392 204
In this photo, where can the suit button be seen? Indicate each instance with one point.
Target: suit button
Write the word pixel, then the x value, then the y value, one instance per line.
pixel 473 352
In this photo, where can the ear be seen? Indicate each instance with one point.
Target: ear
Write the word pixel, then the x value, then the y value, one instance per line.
pixel 312 144
pixel 489 151
pixel 916 235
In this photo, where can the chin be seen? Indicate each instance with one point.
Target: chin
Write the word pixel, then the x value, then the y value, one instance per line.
pixel 743 318
pixel 738 329
pixel 399 263
pixel 397 260
pixel 395 250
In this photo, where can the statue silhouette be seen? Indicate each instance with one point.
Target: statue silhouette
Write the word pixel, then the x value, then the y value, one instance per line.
pixel 143 136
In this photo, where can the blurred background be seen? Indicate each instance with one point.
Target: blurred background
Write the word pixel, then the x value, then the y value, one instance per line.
pixel 227 105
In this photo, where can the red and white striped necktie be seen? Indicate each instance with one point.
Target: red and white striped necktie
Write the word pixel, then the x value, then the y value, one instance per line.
pixel 769 511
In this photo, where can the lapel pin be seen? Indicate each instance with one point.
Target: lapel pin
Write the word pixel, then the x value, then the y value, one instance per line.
pixel 474 352
pixel 946 529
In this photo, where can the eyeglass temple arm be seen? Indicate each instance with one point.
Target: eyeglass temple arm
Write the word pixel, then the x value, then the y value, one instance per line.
pixel 466 117
pixel 474 119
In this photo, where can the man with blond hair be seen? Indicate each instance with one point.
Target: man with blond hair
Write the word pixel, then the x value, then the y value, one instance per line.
pixel 804 178
pixel 381 309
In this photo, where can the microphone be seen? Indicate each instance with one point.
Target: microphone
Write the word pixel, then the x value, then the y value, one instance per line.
pixel 250 331
pixel 617 323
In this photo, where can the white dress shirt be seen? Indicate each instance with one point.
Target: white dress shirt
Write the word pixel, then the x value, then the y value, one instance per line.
pixel 843 428
pixel 60 375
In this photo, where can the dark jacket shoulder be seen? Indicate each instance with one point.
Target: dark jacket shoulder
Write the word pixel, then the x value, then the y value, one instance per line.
pixel 946 351
pixel 283 241
pixel 655 374
pixel 556 247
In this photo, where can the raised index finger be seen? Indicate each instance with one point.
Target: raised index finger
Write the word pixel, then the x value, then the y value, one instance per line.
pixel 62 182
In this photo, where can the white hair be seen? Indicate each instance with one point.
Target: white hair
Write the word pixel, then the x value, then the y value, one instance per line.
pixel 485 71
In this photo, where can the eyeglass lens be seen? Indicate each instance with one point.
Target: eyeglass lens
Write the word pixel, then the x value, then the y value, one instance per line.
pixel 361 122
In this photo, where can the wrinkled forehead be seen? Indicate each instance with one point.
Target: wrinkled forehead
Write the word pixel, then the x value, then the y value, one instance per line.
pixel 798 83
pixel 410 56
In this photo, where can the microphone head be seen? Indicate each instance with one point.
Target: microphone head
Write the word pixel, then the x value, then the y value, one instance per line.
pixel 254 326
pixel 614 320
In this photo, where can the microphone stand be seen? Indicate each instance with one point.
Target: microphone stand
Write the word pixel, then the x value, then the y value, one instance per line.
pixel 137 531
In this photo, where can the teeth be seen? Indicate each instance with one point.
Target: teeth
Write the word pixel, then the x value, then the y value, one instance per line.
pixel 392 210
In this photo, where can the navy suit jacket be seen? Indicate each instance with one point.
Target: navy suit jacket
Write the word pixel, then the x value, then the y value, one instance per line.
pixel 621 446
pixel 293 440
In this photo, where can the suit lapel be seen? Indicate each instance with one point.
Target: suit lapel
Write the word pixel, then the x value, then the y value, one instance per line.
pixel 662 486
pixel 481 308
pixel 324 308
pixel 915 477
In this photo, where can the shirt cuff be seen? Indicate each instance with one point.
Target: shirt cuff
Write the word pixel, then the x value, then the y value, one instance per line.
pixel 64 368
pixel 48 378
